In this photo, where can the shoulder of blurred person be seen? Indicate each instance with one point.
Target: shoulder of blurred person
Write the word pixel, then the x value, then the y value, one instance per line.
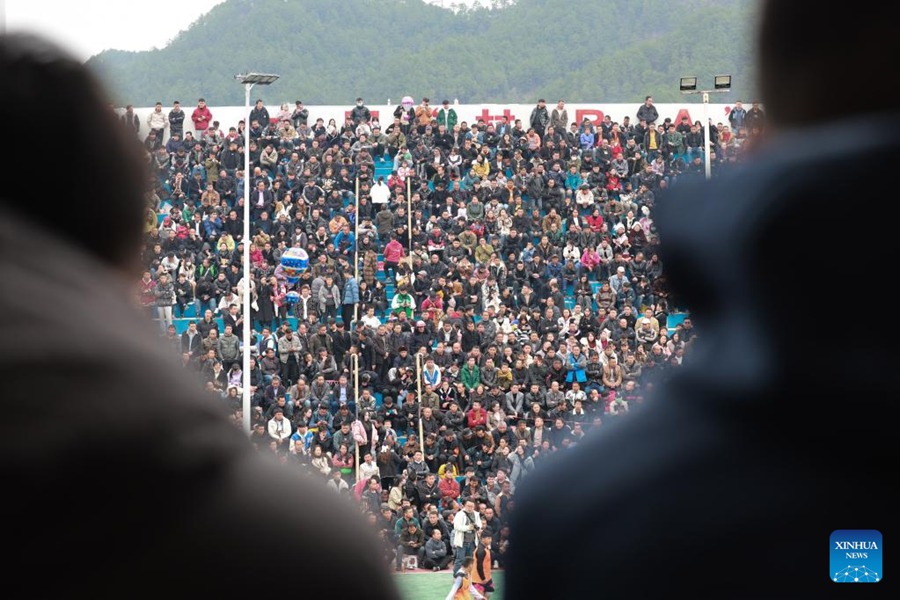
pixel 743 464
pixel 131 477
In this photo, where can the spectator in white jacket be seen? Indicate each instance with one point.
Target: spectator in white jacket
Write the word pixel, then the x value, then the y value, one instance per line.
pixel 158 121
pixel 466 524
pixel 279 427
pixel 380 192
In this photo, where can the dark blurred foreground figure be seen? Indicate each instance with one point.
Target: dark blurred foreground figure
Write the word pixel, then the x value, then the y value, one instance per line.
pixel 121 479
pixel 729 483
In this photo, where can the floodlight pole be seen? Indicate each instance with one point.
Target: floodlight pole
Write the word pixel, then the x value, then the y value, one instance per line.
pixel 707 126
pixel 248 81
pixel 246 260
pixel 707 161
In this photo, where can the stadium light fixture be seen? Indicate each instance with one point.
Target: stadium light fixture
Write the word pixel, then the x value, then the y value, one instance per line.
pixel 257 78
pixel 248 80
pixel 688 85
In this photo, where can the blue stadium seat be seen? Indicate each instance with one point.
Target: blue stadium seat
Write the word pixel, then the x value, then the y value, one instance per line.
pixel 383 168
pixel 181 325
pixel 674 320
pixel 379 399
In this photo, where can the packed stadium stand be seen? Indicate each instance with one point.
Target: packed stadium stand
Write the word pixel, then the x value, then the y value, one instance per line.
pixel 478 295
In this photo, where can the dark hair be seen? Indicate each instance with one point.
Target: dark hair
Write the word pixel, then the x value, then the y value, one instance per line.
pixel 107 161
pixel 796 101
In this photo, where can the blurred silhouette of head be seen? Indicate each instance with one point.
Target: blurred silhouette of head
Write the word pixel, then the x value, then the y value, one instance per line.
pixel 90 191
pixel 809 79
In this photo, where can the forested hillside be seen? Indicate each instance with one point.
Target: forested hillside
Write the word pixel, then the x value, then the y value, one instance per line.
pixel 329 52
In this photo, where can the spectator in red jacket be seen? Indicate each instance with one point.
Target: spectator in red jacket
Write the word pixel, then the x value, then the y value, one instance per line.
pixel 201 117
pixel 448 488
pixel 476 415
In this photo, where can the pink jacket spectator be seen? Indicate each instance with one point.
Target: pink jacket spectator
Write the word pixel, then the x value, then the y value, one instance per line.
pixel 589 258
pixel 393 252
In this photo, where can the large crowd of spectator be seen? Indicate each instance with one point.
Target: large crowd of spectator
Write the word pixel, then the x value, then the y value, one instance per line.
pixel 509 270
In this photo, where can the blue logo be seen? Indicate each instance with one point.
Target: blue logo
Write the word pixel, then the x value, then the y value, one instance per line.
pixel 856 556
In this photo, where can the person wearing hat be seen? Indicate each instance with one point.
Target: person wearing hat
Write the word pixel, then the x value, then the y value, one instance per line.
pixel 422 337
pixel 645 334
pixel 616 281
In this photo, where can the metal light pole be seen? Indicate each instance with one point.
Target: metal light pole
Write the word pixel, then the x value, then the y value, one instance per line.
pixel 707 161
pixel 721 84
pixel 248 80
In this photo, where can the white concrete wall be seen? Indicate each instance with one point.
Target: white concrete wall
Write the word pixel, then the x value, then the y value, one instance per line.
pixel 228 116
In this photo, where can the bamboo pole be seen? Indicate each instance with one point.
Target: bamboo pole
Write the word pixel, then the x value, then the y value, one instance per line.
pixel 419 386
pixel 354 364
pixel 355 260
pixel 409 212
